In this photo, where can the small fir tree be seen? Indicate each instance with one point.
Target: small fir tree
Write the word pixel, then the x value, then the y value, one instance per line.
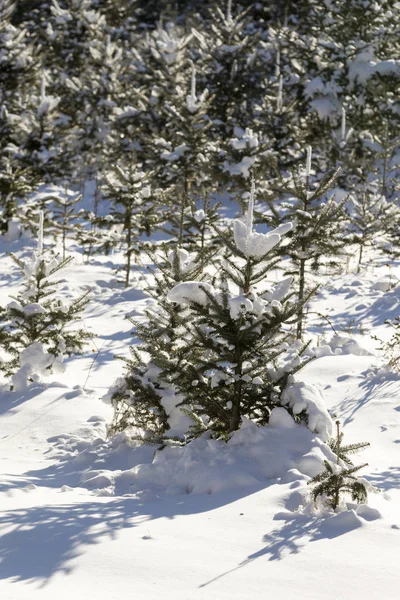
pixel 391 348
pixel 233 66
pixel 16 183
pixel 186 141
pixel 61 219
pixel 337 479
pixel 371 217
pixel 40 124
pixel 35 326
pixel 318 226
pixel 144 399
pixel 240 351
pixel 195 227
pixel 133 210
pixel 225 349
pixel 65 218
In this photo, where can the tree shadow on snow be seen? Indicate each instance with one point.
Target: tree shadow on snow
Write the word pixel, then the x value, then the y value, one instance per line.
pixel 377 388
pixel 386 480
pixel 40 541
pixel 372 311
pixel 296 532
pixel 9 400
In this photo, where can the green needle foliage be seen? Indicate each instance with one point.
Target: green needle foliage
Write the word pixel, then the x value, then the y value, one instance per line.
pixel 318 226
pixel 139 398
pixel 221 341
pixel 132 213
pixel 335 479
pixel 35 316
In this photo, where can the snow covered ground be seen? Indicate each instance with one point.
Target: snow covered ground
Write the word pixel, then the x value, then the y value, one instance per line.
pixel 82 516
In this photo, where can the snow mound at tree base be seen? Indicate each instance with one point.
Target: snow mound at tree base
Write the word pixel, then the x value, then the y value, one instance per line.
pixel 252 457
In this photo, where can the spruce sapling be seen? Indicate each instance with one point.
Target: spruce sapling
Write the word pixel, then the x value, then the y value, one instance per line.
pixel 318 226
pixel 35 331
pixel 133 210
pixel 145 398
pixel 239 350
pixel 335 479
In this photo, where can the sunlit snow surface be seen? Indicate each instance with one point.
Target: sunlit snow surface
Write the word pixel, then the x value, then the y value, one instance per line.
pixel 88 517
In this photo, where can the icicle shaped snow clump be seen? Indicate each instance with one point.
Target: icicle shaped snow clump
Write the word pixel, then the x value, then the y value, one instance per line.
pixel 40 233
pixel 193 103
pixel 252 244
pixel 47 103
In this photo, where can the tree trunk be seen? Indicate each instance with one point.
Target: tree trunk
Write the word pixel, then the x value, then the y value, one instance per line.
pixel 129 252
pixel 302 270
pixel 235 414
pixel 237 396
pixel 360 258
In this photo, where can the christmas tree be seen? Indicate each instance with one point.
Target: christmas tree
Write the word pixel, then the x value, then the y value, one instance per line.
pixel 35 325
pixel 225 347
pixel 337 479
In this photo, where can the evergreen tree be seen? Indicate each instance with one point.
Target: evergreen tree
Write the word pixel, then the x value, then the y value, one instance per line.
pixel 99 89
pixel 337 479
pixel 133 211
pixel 194 227
pixel 352 66
pixel 35 327
pixel 226 347
pixel 241 155
pixel 238 361
pixel 232 66
pixel 391 348
pixel 186 141
pixel 39 148
pixel 18 72
pixel 318 225
pixel 145 400
pixel 62 218
pixel 371 217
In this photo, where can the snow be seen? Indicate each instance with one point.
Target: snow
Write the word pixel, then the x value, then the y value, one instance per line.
pixel 186 259
pixel 254 245
pixel 245 138
pixel 281 290
pixel 85 515
pixel 383 284
pixel 247 460
pixel 174 154
pixel 301 397
pixel 29 309
pixel 191 291
pixel 35 362
pixel 242 167
pixel 345 344
pixel 239 305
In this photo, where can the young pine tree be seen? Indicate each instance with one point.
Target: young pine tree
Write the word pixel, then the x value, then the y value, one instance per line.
pixel 145 400
pixel 220 342
pixel 133 210
pixel 337 479
pixel 35 327
pixel 187 144
pixel 195 227
pixel 318 227
pixel 240 349
pixel 371 217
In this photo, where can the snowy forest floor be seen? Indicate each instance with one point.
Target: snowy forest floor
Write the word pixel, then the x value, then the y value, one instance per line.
pixel 77 519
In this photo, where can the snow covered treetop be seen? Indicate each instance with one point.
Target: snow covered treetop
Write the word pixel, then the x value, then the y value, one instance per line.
pixel 252 244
